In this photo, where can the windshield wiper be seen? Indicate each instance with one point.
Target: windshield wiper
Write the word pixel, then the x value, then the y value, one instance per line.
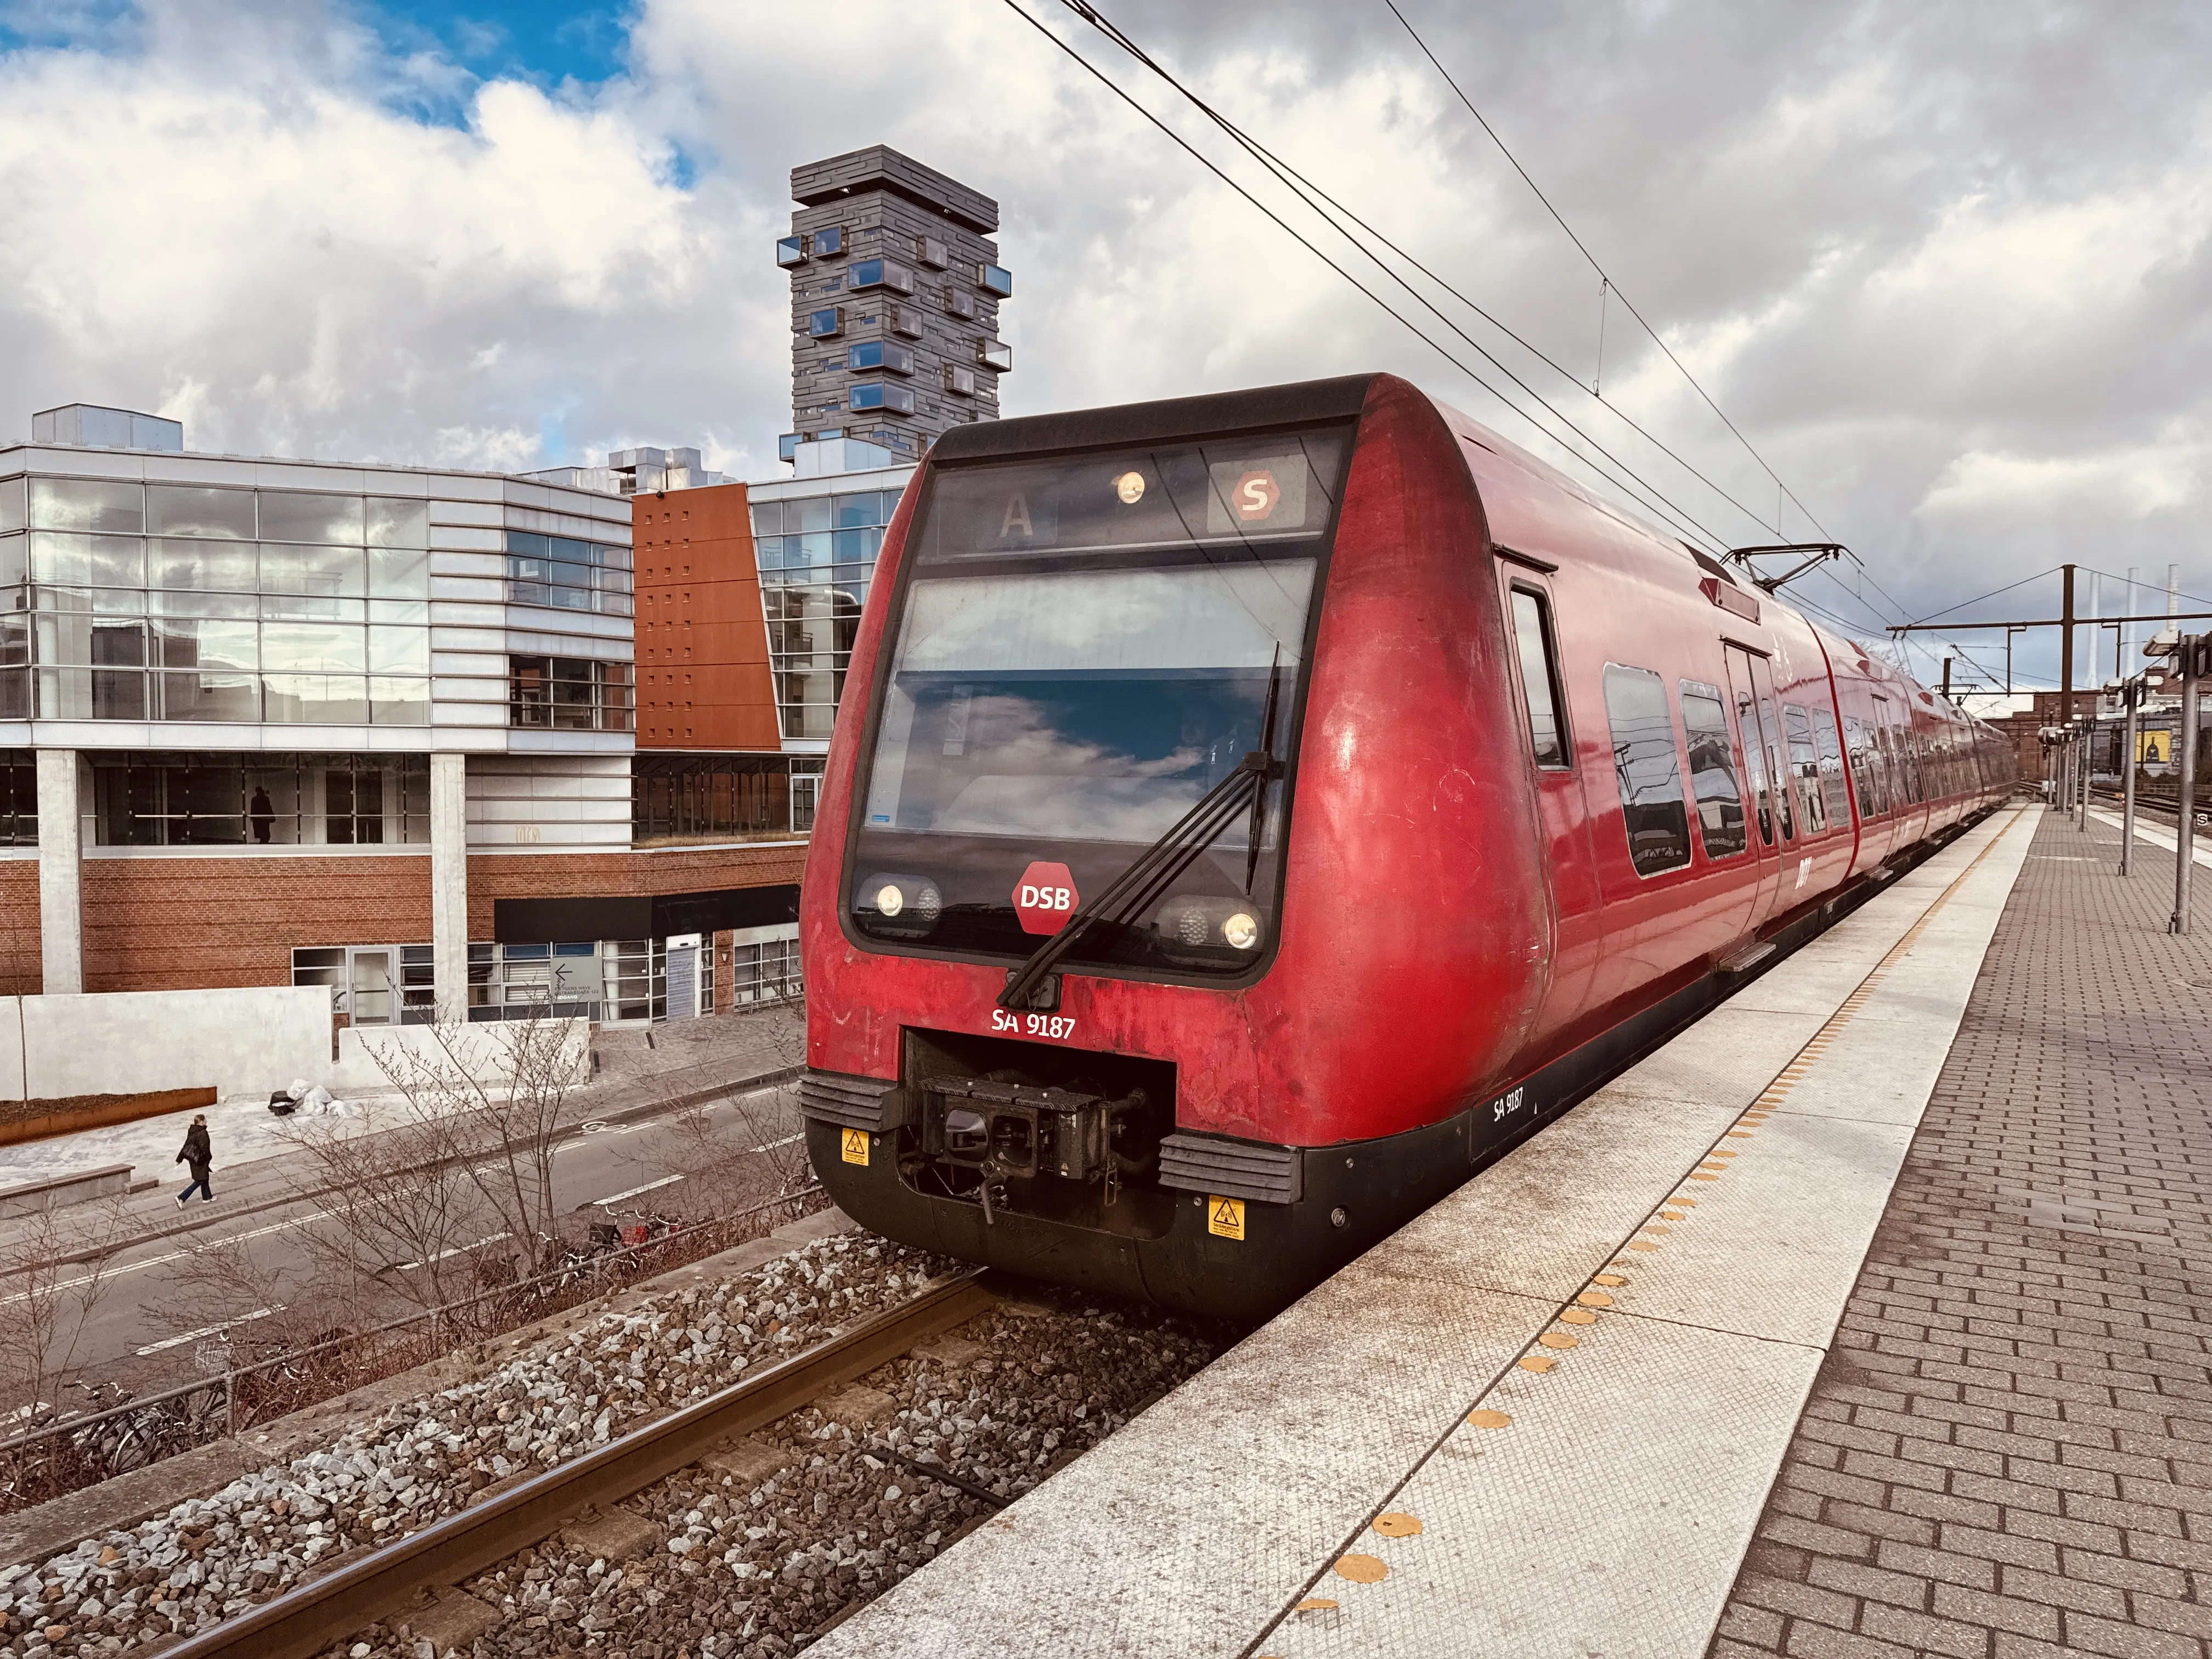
pixel 1266 747
pixel 1140 886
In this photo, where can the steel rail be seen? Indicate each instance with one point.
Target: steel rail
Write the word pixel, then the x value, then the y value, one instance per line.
pixel 307 1618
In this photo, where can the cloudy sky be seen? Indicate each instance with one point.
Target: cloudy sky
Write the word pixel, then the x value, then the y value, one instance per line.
pixel 1945 265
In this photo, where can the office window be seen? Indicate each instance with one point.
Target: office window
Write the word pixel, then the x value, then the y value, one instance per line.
pixel 882 273
pixel 1712 771
pixel 95 506
pixel 960 382
pixel 995 279
pixel 193 510
pixel 959 301
pixel 287 516
pixel 19 797
pixel 563 573
pixel 828 241
pixel 880 353
pixel 928 250
pixel 791 251
pixel 1648 767
pixel 891 400
pixel 155 799
pixel 826 323
pixel 674 799
pixel 905 319
pixel 1540 677
pixel 569 694
pixel 995 354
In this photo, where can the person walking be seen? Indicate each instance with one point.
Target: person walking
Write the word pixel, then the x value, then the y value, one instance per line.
pixel 200 1156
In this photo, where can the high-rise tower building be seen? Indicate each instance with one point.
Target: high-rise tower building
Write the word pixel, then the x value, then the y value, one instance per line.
pixel 894 293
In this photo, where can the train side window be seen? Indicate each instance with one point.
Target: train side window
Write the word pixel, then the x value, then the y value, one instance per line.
pixel 1648 764
pixel 1712 771
pixel 1855 746
pixel 1540 678
pixel 1755 766
pixel 1779 766
pixel 1835 788
pixel 1805 768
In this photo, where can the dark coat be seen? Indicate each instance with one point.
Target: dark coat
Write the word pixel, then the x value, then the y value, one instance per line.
pixel 197 1151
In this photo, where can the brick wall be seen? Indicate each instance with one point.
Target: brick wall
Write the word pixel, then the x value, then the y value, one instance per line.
pixel 154 924
pixel 19 927
pixel 159 924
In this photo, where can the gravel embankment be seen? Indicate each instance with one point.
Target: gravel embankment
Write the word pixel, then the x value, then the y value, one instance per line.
pixel 754 1568
pixel 213 1557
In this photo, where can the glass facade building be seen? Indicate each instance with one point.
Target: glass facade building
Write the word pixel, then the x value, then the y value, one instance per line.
pixel 816 540
pixel 179 602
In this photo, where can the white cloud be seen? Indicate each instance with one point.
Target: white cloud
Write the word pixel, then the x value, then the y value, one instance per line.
pixel 1947 265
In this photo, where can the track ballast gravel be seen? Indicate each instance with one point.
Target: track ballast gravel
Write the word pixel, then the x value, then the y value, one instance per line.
pixel 747 1568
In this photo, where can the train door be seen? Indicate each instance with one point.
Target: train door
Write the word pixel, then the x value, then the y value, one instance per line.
pixel 1765 782
pixel 1562 810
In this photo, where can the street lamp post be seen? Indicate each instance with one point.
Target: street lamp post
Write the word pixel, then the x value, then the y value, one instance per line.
pixel 2131 697
pixel 2192 650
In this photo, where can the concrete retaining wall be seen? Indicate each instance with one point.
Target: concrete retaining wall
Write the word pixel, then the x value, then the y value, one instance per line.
pixel 239 1042
pixel 368 1055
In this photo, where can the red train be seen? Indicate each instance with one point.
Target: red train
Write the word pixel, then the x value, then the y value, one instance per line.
pixel 1249 814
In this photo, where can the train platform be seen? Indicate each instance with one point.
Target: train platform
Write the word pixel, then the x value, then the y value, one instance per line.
pixel 1852 1321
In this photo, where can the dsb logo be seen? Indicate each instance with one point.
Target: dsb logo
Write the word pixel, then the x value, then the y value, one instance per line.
pixel 1045 897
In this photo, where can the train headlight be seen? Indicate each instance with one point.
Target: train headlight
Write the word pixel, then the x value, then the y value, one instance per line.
pixel 1199 931
pixel 898 906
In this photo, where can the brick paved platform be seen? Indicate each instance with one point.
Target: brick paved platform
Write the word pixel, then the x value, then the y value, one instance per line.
pixel 2008 1453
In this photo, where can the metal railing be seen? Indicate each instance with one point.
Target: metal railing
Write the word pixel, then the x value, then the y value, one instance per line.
pixel 70 1453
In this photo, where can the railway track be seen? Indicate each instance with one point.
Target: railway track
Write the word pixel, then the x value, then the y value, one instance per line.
pixel 360 1591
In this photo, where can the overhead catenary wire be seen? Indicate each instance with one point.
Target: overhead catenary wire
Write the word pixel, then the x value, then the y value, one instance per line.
pixel 1645 494
pixel 1326 205
pixel 1606 278
pixel 1610 285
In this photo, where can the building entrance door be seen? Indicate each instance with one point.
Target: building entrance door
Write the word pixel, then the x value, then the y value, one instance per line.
pixel 805 790
pixel 368 1000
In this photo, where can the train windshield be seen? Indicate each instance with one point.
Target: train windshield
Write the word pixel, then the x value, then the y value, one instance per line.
pixel 1086 646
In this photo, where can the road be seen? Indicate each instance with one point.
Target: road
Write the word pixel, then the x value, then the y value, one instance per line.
pixel 141 1330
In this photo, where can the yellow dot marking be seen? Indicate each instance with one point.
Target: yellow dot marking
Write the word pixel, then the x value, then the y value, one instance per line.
pixel 1723 1152
pixel 1361 1569
pixel 1559 1339
pixel 1536 1362
pixel 1483 1418
pixel 1577 1316
pixel 1314 1604
pixel 1698 1176
pixel 1642 1244
pixel 1739 1134
pixel 1656 1230
pixel 1397 1524
pixel 1606 1279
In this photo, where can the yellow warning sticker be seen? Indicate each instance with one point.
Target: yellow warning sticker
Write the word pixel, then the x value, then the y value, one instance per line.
pixel 1225 1216
pixel 2154 748
pixel 856 1145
